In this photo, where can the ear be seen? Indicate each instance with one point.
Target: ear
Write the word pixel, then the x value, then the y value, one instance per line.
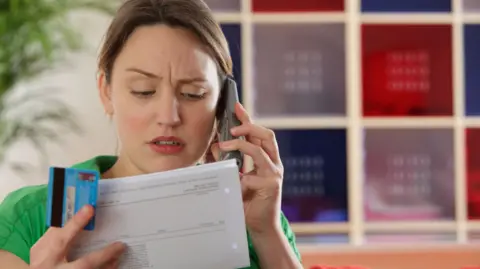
pixel 215 152
pixel 105 93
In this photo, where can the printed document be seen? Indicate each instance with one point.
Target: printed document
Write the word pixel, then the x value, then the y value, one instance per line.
pixel 189 218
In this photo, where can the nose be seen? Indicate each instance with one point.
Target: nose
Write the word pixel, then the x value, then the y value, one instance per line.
pixel 168 110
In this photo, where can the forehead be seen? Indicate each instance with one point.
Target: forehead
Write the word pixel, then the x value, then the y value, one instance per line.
pixel 158 47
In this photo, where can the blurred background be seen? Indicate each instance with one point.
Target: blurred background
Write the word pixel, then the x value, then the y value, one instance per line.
pixel 375 104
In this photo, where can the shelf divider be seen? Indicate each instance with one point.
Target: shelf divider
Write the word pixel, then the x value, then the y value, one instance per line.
pixel 354 130
pixel 459 112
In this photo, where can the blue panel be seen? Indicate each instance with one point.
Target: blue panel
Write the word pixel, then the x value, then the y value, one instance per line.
pixel 407 5
pixel 472 69
pixel 233 34
pixel 315 181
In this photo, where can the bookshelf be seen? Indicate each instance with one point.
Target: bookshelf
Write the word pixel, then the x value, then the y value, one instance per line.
pixel 375 105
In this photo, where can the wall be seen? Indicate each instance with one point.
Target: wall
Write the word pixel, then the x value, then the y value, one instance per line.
pixel 78 84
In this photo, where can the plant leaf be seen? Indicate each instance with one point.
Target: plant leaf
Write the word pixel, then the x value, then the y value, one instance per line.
pixel 35 35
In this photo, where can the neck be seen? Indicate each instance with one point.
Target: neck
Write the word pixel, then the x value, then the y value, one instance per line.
pixel 123 167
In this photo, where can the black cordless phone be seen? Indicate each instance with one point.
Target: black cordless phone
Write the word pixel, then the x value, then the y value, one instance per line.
pixel 227 119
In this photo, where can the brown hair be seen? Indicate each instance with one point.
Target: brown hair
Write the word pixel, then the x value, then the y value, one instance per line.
pixel 193 15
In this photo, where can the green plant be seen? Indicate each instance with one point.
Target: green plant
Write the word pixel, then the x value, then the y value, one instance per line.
pixel 35 35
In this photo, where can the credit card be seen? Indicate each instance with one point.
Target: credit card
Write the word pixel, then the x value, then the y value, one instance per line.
pixel 69 189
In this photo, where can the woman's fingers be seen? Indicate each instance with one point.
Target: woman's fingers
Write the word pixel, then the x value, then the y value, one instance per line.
pixel 265 136
pixel 101 258
pixel 257 135
pixel 54 245
pixel 260 158
pixel 56 241
pixel 242 114
pixel 113 264
pixel 76 224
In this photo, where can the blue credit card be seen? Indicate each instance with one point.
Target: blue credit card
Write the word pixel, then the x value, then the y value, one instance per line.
pixel 69 189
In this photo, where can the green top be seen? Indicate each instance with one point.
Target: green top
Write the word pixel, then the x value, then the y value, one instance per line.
pixel 23 214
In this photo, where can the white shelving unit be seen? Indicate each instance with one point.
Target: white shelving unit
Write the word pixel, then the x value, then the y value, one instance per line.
pixel 354 122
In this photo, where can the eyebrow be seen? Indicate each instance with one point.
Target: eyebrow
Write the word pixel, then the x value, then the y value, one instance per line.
pixel 192 80
pixel 145 73
pixel 151 75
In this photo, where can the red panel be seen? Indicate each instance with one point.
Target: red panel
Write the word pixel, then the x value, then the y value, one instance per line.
pixel 407 70
pixel 473 172
pixel 297 5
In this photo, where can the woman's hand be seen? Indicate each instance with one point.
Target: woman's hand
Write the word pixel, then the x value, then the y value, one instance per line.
pixel 262 186
pixel 51 249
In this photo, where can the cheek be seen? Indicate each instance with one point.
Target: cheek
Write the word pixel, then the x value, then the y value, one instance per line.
pixel 201 123
pixel 204 122
pixel 134 122
pixel 130 117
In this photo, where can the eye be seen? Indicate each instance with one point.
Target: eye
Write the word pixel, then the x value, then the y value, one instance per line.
pixel 192 96
pixel 143 94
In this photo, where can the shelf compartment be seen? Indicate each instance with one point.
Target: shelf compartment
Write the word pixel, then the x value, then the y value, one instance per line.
pixel 224 5
pixel 424 122
pixel 407 70
pixel 472 151
pixel 315 179
pixel 406 6
pixel 297 5
pixel 409 174
pixel 232 32
pixel 472 69
pixel 471 6
pixel 299 70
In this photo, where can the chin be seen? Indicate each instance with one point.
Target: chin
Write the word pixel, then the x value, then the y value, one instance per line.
pixel 169 163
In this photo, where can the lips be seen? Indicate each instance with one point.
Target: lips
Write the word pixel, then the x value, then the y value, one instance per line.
pixel 167 145
pixel 168 141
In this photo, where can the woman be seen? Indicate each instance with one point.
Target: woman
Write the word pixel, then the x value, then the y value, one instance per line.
pixel 160 72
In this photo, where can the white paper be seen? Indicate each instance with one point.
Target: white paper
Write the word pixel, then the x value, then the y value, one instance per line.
pixel 190 218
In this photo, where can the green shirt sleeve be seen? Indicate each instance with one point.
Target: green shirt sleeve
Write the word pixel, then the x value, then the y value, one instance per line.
pixel 290 235
pixel 22 220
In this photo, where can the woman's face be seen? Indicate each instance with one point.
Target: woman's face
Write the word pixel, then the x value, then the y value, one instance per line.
pixel 162 97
